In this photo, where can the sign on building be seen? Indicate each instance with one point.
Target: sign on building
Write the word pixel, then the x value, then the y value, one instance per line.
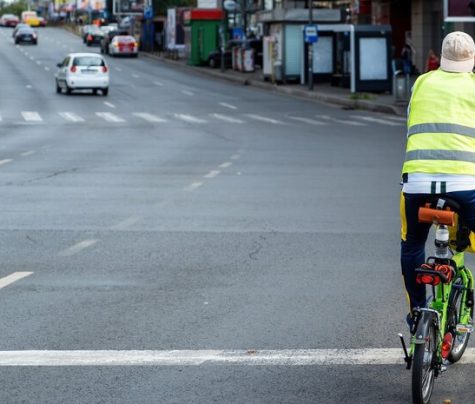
pixel 459 10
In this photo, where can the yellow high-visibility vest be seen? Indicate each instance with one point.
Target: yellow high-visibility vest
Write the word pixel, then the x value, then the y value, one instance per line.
pixel 441 125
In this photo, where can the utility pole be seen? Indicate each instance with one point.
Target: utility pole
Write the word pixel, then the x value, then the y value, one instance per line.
pixel 310 47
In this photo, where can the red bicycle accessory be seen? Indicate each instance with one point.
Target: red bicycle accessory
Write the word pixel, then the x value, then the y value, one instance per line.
pixel 447 345
pixel 432 279
pixel 429 215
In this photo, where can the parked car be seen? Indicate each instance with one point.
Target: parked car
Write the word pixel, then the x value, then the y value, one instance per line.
pixel 214 58
pixel 26 35
pixel 9 20
pixel 30 18
pixel 125 45
pixel 19 26
pixel 42 21
pixel 83 71
pixel 107 39
pixel 107 28
pixel 94 36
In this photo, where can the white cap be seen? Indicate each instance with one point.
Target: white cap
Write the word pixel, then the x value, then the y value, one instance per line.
pixel 458 53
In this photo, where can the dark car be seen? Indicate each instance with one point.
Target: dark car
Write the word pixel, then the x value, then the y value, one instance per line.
pixel 26 35
pixel 107 39
pixel 214 58
pixel 18 27
pixel 94 36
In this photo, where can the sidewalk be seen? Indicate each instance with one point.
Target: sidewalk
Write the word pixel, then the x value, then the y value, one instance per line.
pixel 322 92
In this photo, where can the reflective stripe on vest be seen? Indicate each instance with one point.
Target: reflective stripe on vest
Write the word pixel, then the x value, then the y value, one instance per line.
pixel 441 125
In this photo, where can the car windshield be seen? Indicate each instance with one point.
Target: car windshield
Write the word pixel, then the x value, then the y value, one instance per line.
pixel 26 31
pixel 88 61
pixel 124 39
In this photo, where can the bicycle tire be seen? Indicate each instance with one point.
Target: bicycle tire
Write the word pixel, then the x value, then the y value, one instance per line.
pixel 423 370
pixel 461 341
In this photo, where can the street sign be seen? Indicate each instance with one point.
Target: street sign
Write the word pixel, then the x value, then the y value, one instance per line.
pixel 310 33
pixel 230 5
pixel 148 13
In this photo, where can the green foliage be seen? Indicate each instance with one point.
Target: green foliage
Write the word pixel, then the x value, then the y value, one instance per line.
pixel 16 8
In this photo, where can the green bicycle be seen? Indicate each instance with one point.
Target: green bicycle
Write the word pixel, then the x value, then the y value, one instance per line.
pixel 440 332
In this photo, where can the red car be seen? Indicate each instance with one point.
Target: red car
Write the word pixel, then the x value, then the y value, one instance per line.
pixel 9 20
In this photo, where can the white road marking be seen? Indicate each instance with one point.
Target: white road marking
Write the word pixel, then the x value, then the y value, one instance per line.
pixel 284 357
pixel 265 119
pixel 235 156
pixel 29 86
pixel 193 186
pixel 186 92
pixel 71 116
pixel 118 69
pixel 398 118
pixel 28 153
pixel 5 161
pixel 226 165
pixel 38 62
pixel 226 105
pixel 109 104
pixel 126 223
pixel 109 117
pixel 31 116
pixel 32 58
pixel 47 68
pixel 135 76
pixel 307 120
pixel 78 247
pixel 227 118
pixel 149 117
pixel 189 118
pixel 377 120
pixel 157 83
pixel 342 121
pixel 15 276
pixel 212 173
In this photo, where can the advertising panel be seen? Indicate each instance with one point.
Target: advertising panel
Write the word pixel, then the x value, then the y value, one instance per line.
pixel 459 10
pixel 129 7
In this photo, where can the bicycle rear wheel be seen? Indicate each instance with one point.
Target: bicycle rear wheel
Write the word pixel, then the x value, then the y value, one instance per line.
pixel 423 367
pixel 460 341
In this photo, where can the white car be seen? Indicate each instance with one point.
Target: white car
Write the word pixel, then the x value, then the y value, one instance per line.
pixel 82 71
pixel 124 45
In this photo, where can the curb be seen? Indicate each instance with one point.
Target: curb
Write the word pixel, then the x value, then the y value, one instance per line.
pixel 314 96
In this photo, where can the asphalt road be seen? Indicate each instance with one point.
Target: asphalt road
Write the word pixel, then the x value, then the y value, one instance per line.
pixel 185 213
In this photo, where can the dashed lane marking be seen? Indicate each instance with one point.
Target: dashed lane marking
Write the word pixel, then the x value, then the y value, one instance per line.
pixel 118 69
pixel 109 104
pixel 15 276
pixel 31 116
pixel 157 83
pixel 193 186
pixel 227 118
pixel 76 248
pixel 378 120
pixel 189 118
pixel 126 223
pixel 189 93
pixel 28 153
pixel 226 105
pixel 226 165
pixel 29 86
pixel 71 116
pixel 265 119
pixel 5 161
pixel 307 120
pixel 212 174
pixel 47 68
pixel 149 117
pixel 235 156
pixel 342 121
pixel 109 117
pixel 135 76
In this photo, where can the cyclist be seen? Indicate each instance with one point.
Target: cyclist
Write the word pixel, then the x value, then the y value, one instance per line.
pixel 440 151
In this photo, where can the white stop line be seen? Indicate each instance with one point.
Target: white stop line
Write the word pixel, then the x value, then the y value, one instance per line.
pixel 286 357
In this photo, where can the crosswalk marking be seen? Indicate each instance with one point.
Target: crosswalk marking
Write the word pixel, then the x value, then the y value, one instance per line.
pixel 149 117
pixel 265 119
pixel 189 118
pixel 342 121
pixel 71 116
pixel 377 120
pixel 307 120
pixel 227 118
pixel 109 117
pixel 31 116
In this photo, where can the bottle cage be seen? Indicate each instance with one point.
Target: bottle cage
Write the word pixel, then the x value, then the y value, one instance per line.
pixel 442 211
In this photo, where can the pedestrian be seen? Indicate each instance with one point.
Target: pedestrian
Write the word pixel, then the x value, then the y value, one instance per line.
pixel 432 62
pixel 406 55
pixel 440 152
